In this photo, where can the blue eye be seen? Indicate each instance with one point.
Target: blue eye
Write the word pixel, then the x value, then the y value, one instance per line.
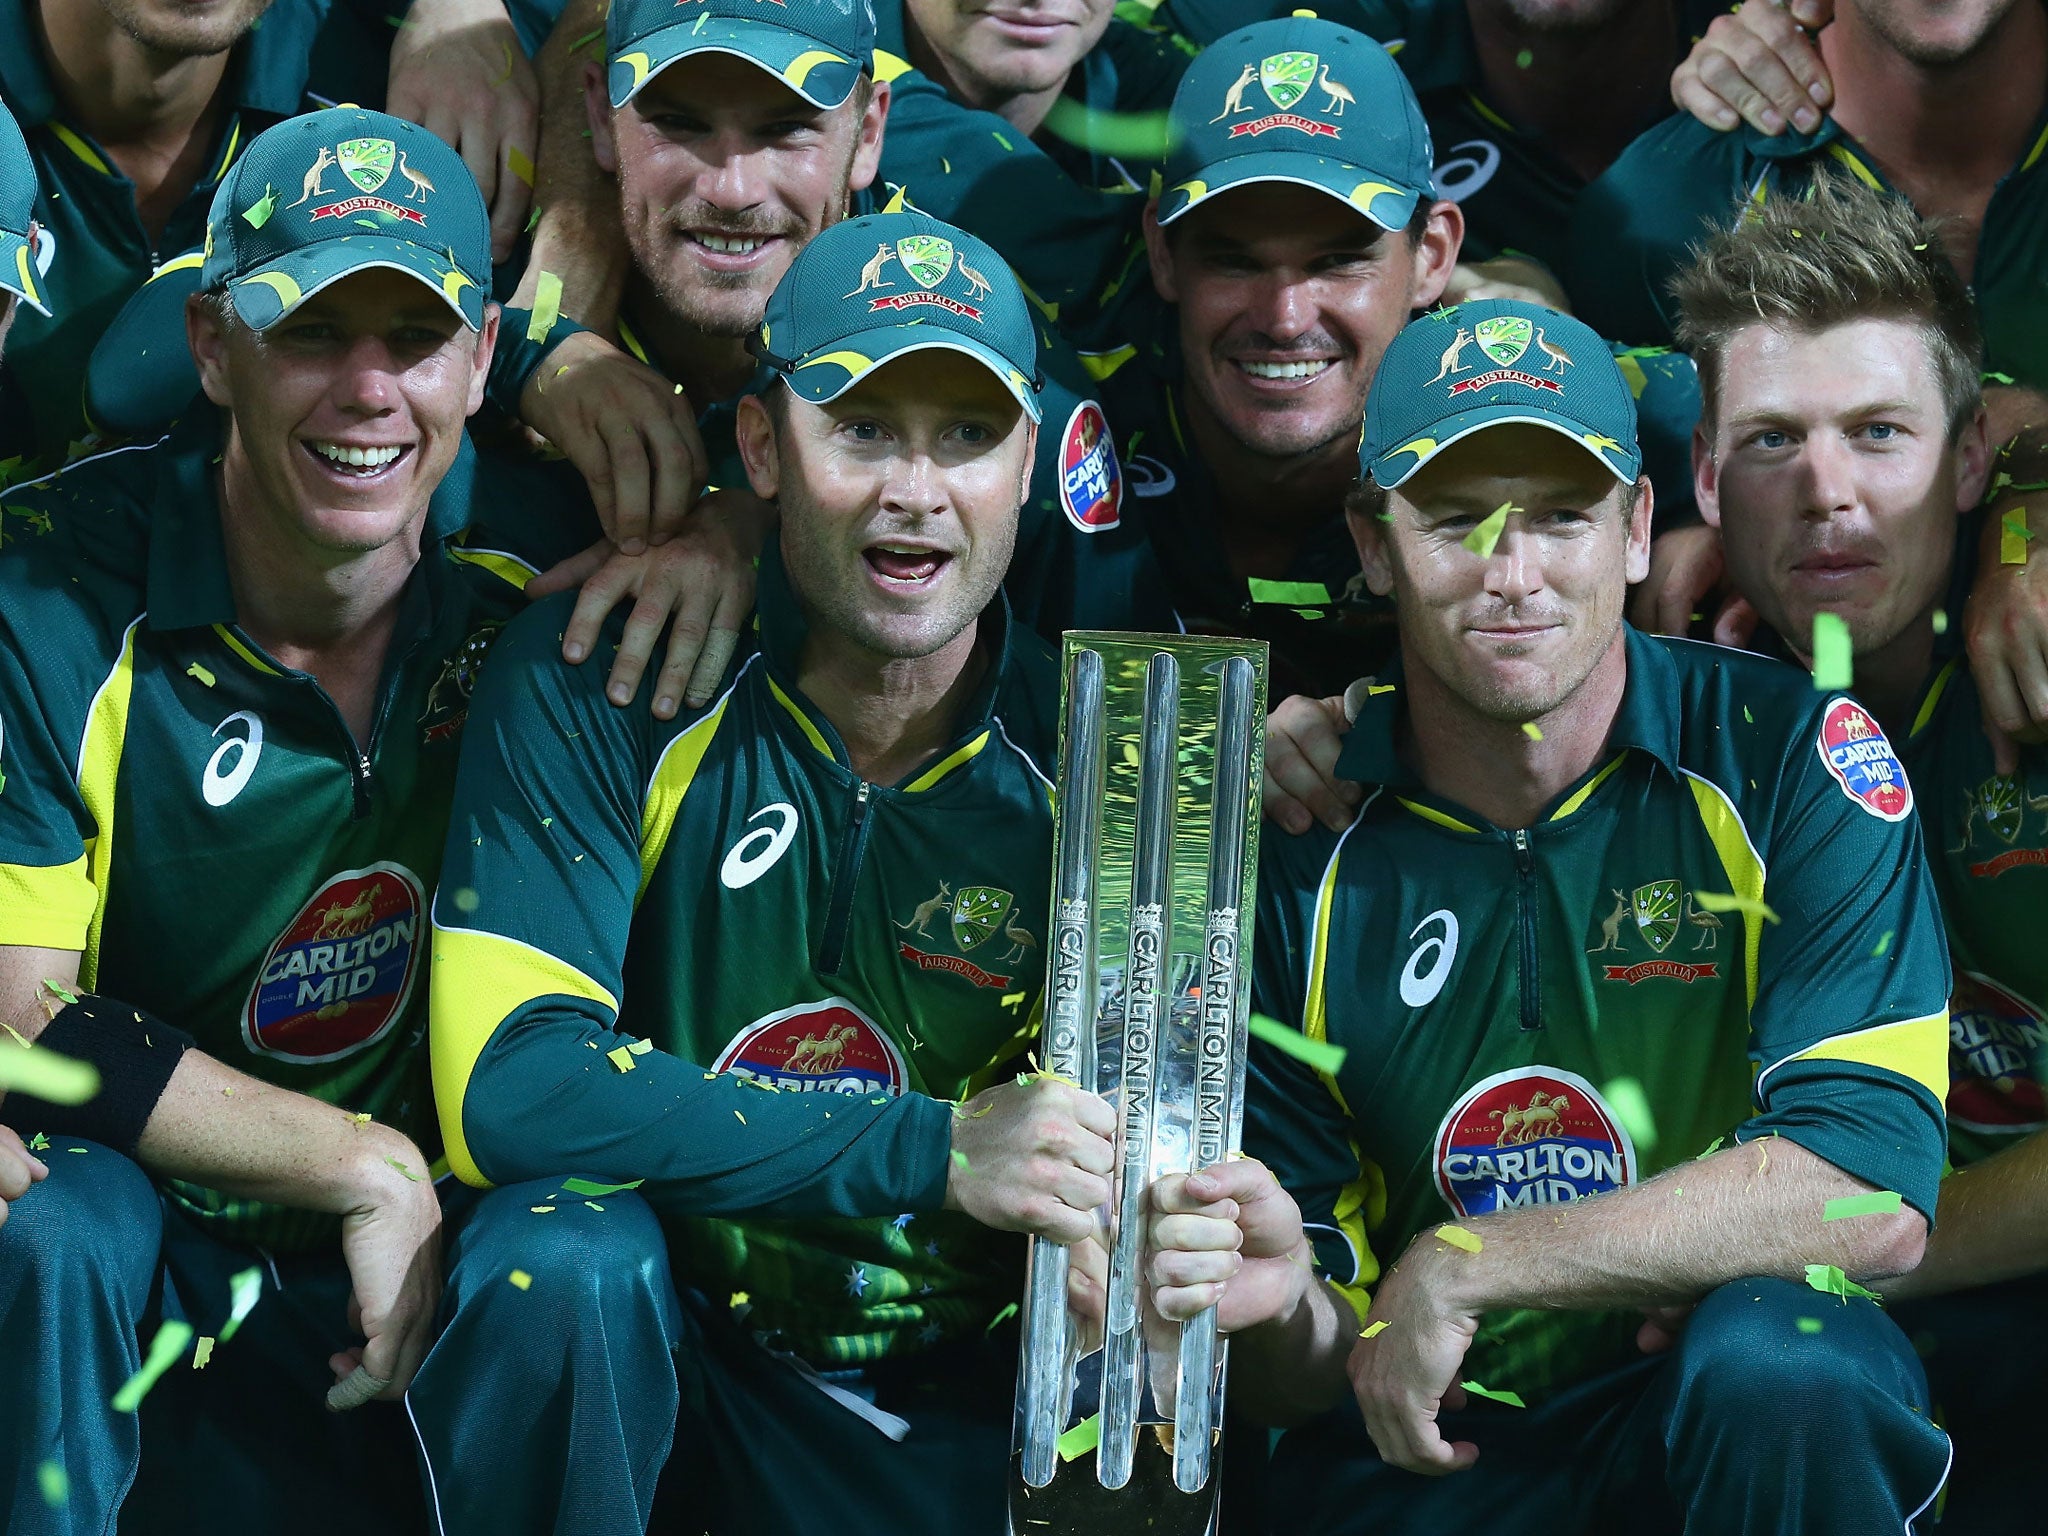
pixel 1882 431
pixel 1771 439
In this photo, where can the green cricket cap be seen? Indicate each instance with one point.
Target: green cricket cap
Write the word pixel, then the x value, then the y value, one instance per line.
pixel 320 197
pixel 1304 101
pixel 886 284
pixel 817 48
pixel 20 269
pixel 1458 370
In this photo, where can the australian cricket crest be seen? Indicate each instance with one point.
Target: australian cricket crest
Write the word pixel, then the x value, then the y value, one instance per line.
pixel 1286 77
pixel 927 258
pixel 1656 912
pixel 366 162
pixel 976 912
pixel 447 705
pixel 1504 338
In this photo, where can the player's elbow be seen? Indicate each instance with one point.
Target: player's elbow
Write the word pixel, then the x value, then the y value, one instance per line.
pixel 1890 1244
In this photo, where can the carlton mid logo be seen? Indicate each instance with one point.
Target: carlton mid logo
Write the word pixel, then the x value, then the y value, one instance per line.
pixel 828 1047
pixel 1863 762
pixel 1998 1046
pixel 1091 483
pixel 1533 1136
pixel 340 974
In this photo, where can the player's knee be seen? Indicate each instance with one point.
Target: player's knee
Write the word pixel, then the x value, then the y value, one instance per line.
pixel 89 1234
pixel 549 1265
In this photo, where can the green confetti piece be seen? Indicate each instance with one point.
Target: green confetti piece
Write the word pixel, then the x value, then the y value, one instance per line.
pixel 547 307
pixel 1631 1107
pixel 961 1159
pixel 1481 540
pixel 1833 664
pixel 59 990
pixel 1941 621
pixel 1320 1054
pixel 1082 1438
pixel 55 1483
pixel 1879 1202
pixel 1722 901
pixel 164 1350
pixel 258 213
pixel 205 677
pixel 1883 944
pixel 1997 378
pixel 40 1142
pixel 586 1188
pixel 1001 1318
pixel 1712 1147
pixel 245 1289
pixel 1007 145
pixel 521 1279
pixel 466 899
pixel 1459 1237
pixel 1747 717
pixel 588 38
pixel 409 1174
pixel 1291 594
pixel 1512 1399
pixel 45 1074
pixel 1829 1280
pixel 1810 1325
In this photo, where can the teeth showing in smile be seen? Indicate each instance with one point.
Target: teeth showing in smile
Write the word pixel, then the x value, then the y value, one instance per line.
pixel 357 458
pixel 731 245
pixel 1303 370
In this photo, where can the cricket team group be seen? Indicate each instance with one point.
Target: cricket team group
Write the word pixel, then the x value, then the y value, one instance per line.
pixel 529 709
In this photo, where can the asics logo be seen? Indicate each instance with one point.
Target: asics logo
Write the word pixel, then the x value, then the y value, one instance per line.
pixel 755 854
pixel 234 760
pixel 1419 986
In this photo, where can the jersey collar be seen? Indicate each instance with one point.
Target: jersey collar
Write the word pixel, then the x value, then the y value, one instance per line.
pixel 188 585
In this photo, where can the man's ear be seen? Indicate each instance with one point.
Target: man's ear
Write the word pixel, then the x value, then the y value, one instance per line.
pixel 754 432
pixel 597 106
pixel 480 359
pixel 1436 253
pixel 1638 559
pixel 1706 477
pixel 1030 462
pixel 1369 534
pixel 1974 461
pixel 867 154
pixel 1161 255
pixel 208 340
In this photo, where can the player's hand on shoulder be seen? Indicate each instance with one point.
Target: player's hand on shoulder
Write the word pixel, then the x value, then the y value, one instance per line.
pixel 1227 1237
pixel 1756 66
pixel 1506 277
pixel 629 433
pixel 391 1241
pixel 19 1168
pixel 1033 1155
pixel 1304 738
pixel 457 70
pixel 699 586
pixel 1687 572
pixel 2005 626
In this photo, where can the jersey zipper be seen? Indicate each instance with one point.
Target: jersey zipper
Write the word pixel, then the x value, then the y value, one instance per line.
pixel 845 875
pixel 1525 922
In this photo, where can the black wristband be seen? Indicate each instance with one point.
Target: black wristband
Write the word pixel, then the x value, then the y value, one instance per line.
pixel 135 1055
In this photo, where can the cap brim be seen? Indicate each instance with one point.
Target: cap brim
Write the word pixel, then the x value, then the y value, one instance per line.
pixel 141 376
pixel 822 76
pixel 266 296
pixel 1392 467
pixel 18 273
pixel 1356 187
pixel 826 375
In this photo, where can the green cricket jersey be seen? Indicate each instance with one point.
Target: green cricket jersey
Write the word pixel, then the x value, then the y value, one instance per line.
pixel 198 820
pixel 1516 191
pixel 1494 989
pixel 706 954
pixel 1634 226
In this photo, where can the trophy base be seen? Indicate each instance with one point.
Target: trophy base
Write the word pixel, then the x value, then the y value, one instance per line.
pixel 1074 1503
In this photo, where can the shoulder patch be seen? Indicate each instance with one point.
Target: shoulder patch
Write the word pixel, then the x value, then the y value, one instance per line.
pixel 1861 760
pixel 1091 481
pixel 340 974
pixel 823 1047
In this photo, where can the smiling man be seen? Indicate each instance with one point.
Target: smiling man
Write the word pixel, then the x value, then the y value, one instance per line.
pixel 234 669
pixel 728 972
pixel 1635 961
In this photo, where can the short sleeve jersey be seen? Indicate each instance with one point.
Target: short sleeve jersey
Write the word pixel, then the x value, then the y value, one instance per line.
pixel 708 955
pixel 198 820
pixel 1493 989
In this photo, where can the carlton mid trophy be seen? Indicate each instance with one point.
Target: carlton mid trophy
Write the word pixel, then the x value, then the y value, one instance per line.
pixel 1119 1412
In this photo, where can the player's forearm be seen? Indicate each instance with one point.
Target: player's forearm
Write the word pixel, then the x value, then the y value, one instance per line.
pixel 1754 1209
pixel 1994 1225
pixel 577 235
pixel 1289 1370
pixel 541 1103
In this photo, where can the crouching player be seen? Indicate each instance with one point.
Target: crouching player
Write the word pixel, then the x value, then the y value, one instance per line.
pixel 743 960
pixel 1635 957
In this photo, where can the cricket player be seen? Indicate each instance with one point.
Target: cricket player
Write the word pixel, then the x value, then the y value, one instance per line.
pixel 234 672
pixel 1635 962
pixel 1844 455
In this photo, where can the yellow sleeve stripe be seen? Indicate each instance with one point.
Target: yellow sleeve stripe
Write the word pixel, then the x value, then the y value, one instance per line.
pixel 47 907
pixel 509 569
pixel 947 764
pixel 1360 1207
pixel 477 980
pixel 1739 858
pixel 673 775
pixel 1913 1048
pixel 811 732
pixel 99 773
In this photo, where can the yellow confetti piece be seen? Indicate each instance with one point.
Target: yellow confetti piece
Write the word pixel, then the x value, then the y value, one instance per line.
pixel 202 1352
pixel 1722 901
pixel 639 1047
pixel 2013 537
pixel 1459 1237
pixel 164 1350
pixel 594 1205
pixel 43 1073
pixel 1512 1399
pixel 739 1117
pixel 55 1483
pixel 409 1174
pixel 1481 540
pixel 740 1299
pixel 204 676
pixel 1374 1329
pixel 1632 371
pixel 621 1058
pixel 1631 1107
pixel 520 162
pixel 547 307
pixel 1879 1202
pixel 521 1278
pixel 540 1210
pixel 1833 657
pixel 1082 1438
pixel 1529 730
pixel 1320 1054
